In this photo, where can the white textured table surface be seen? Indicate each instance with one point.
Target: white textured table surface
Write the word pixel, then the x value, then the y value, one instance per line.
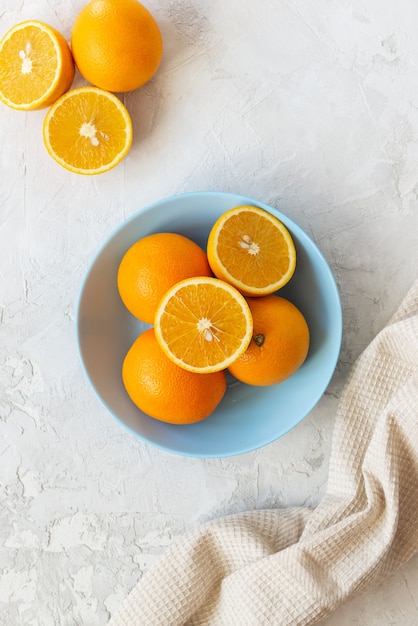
pixel 309 106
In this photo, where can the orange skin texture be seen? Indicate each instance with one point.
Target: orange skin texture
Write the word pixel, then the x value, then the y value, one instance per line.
pixel 164 390
pixel 116 44
pixel 285 346
pixel 154 264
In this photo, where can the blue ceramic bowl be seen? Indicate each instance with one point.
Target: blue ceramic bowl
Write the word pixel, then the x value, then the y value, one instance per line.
pixel 247 417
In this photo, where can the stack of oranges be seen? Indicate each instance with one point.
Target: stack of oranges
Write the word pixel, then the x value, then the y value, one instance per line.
pixel 211 312
pixel 117 47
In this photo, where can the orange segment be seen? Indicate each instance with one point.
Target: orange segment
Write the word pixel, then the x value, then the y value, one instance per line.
pixel 36 66
pixel 203 324
pixel 252 250
pixel 88 130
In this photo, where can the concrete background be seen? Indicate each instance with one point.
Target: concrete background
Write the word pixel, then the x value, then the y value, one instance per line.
pixel 311 107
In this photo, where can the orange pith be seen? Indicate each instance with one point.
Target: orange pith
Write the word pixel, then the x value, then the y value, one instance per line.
pixel 88 130
pixel 279 346
pixel 36 66
pixel 154 264
pixel 165 391
pixel 203 324
pixel 252 250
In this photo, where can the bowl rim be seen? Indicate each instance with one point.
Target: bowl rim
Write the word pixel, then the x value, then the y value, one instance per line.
pixel 337 322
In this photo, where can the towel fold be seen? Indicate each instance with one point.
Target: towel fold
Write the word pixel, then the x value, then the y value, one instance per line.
pixel 295 566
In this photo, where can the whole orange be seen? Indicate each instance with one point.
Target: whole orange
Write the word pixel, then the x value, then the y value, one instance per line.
pixel 154 264
pixel 164 390
pixel 116 44
pixel 279 345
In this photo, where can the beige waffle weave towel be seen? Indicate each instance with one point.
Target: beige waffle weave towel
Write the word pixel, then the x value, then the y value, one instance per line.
pixel 295 566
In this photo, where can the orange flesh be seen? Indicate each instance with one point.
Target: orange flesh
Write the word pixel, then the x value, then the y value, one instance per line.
pixel 88 131
pixel 202 326
pixel 241 233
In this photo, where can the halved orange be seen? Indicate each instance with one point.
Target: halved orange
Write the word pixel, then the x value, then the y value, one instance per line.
pixel 88 130
pixel 36 66
pixel 203 324
pixel 252 250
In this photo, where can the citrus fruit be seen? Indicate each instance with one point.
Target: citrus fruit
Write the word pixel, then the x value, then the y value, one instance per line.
pixel 154 264
pixel 279 345
pixel 203 324
pixel 116 44
pixel 88 130
pixel 36 66
pixel 165 391
pixel 252 250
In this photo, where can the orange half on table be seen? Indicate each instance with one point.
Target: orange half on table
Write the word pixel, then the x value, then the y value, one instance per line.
pixel 88 130
pixel 36 66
